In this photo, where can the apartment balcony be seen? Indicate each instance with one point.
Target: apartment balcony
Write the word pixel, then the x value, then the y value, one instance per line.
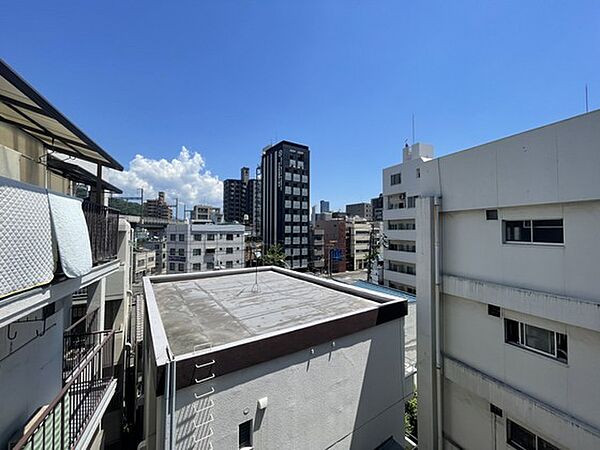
pixel 399 213
pixel 103 229
pixel 396 255
pixel 401 235
pixel 72 418
pixel 36 222
pixel 399 277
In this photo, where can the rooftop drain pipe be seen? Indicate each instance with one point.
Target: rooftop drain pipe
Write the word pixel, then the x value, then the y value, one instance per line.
pixel 438 350
pixel 170 391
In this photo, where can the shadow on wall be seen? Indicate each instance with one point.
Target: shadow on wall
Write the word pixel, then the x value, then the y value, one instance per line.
pixel 380 412
pixel 345 394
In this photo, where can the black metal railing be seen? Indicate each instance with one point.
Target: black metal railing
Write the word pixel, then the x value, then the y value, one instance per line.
pixel 79 340
pixel 65 419
pixel 103 228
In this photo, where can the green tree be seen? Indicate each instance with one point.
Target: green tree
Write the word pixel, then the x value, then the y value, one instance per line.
pixel 410 417
pixel 274 256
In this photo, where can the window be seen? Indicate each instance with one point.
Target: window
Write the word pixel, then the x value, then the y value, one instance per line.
pixel 539 340
pixel 245 435
pixel 210 251
pixel 229 250
pixel 418 172
pixel 210 266
pixel 491 214
pixel 523 439
pixel 180 267
pixel 181 252
pixel 549 231
pixel 229 237
pixel 196 252
pixel 172 251
pixel 411 201
pixel 197 266
pixel 229 264
pixel 396 178
pixel 172 237
pixel 210 237
pixel 182 237
pixel 197 237
pixel 171 266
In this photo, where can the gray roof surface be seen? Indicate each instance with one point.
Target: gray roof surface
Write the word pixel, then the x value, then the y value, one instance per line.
pixel 225 309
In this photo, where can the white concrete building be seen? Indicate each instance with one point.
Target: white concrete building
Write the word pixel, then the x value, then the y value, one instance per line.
pixel 64 281
pixel 206 214
pixel 401 186
pixel 200 247
pixel 358 233
pixel 271 359
pixel 508 305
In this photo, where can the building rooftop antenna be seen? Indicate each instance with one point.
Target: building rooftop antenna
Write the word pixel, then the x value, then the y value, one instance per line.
pixel 413 128
pixel 587 108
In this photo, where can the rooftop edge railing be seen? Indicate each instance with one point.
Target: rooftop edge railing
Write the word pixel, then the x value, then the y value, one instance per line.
pixel 103 229
pixel 64 420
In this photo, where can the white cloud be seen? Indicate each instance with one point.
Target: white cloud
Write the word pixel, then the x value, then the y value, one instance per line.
pixel 184 177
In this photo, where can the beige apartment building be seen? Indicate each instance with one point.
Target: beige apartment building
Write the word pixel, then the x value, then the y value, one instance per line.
pixel 508 305
pixel 64 281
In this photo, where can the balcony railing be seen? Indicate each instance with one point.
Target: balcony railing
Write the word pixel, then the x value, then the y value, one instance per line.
pixel 79 340
pixel 65 419
pixel 103 228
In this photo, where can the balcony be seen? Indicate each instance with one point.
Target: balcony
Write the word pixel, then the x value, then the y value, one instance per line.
pixel 71 418
pixel 398 255
pixel 103 229
pixel 399 277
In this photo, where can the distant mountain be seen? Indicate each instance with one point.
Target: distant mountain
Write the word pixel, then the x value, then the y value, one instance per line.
pixel 125 207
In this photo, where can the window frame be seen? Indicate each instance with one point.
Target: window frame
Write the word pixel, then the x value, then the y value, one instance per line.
pixel 536 437
pixel 522 341
pixel 532 228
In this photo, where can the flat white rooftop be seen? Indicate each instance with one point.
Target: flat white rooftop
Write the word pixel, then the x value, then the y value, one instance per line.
pixel 242 317
pixel 223 309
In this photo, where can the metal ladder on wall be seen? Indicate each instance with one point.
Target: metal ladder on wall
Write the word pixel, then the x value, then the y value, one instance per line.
pixel 203 416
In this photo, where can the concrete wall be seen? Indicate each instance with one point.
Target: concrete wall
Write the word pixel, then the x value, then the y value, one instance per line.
pixel 345 396
pixel 32 375
pixel 547 173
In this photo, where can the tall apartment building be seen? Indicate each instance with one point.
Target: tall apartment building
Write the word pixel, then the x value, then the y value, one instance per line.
pixel 239 198
pixel 285 200
pixel 402 184
pixel 364 210
pixel 508 310
pixel 206 214
pixel 158 208
pixel 257 202
pixel 64 281
pixel 324 206
pixel 203 247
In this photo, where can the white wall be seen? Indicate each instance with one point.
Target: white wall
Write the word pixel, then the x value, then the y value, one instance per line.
pixel 32 375
pixel 347 396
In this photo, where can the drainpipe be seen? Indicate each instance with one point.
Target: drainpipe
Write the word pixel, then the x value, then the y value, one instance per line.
pixel 438 339
pixel 170 389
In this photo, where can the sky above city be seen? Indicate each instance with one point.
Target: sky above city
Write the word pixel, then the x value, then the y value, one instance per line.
pixel 185 93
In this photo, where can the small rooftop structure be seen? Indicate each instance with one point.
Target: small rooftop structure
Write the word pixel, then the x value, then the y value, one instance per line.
pixel 223 347
pixel 279 310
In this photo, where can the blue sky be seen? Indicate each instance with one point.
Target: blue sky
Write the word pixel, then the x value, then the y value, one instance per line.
pixel 226 78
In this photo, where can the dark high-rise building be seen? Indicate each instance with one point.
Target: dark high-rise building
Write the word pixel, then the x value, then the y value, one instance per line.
pixel 285 200
pixel 239 198
pixel 324 206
